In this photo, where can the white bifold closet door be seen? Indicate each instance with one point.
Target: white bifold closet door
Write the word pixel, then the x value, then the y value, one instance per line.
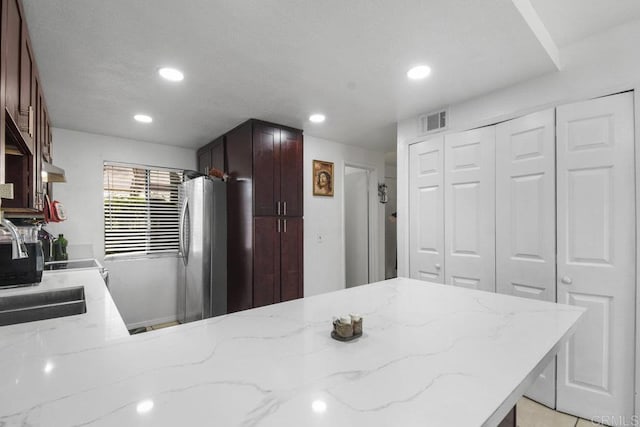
pixel 426 210
pixel 596 254
pixel 526 219
pixel 469 206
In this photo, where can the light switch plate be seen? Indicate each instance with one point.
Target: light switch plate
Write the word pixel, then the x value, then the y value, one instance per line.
pixel 6 191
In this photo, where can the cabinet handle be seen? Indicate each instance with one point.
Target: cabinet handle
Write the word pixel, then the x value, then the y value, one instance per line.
pixel 279 225
pixel 567 280
pixel 285 209
pixel 285 225
pixel 437 266
pixel 278 207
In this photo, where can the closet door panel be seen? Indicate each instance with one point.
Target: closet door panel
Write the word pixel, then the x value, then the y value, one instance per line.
pixel 469 182
pixel 596 254
pixel 426 210
pixel 525 219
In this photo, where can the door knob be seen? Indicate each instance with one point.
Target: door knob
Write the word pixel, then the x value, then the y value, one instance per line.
pixel 567 280
pixel 437 266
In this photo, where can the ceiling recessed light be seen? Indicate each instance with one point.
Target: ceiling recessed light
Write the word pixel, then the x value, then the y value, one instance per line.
pixel 317 118
pixel 171 74
pixel 143 118
pixel 419 72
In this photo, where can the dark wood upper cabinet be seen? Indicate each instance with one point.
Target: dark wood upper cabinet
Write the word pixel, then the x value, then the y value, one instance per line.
pixel 217 155
pixel 12 34
pixel 290 173
pixel 204 159
pixel 266 169
pixel 26 135
pixel 277 170
pixel 212 155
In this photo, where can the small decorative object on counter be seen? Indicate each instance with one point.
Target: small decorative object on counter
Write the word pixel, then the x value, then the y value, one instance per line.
pixel 60 248
pixel 217 173
pixel 347 328
pixel 356 319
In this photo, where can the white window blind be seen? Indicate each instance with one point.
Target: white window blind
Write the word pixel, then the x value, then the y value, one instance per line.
pixel 141 209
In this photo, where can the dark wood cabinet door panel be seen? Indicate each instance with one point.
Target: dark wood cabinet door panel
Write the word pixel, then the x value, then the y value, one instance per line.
pixel 291 259
pixel 266 169
pixel 266 261
pixel 204 159
pixel 291 172
pixel 217 154
pixel 26 112
pixel 239 249
pixel 13 38
pixel 239 154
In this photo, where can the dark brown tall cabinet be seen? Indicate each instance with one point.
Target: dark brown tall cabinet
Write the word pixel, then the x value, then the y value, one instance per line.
pixel 265 209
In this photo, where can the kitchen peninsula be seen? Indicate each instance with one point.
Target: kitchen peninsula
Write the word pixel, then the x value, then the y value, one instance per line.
pixel 430 355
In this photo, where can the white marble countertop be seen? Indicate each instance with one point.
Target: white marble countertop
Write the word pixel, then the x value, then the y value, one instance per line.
pixel 431 355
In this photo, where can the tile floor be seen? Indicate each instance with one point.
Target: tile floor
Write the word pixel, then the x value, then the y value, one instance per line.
pixel 532 414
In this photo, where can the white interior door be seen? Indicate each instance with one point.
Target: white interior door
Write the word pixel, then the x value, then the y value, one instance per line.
pixel 469 178
pixel 426 210
pixel 526 219
pixel 596 252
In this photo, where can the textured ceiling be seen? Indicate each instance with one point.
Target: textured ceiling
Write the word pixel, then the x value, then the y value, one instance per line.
pixel 272 60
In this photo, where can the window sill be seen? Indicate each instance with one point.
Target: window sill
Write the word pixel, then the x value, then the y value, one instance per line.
pixel 134 257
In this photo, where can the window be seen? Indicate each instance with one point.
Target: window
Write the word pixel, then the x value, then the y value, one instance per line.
pixel 141 209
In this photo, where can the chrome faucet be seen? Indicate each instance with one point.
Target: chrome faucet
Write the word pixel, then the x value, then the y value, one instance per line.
pixel 18 248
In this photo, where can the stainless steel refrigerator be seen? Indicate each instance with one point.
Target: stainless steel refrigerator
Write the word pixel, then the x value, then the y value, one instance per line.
pixel 202 280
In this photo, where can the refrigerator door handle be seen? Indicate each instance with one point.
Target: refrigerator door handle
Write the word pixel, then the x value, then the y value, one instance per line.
pixel 183 215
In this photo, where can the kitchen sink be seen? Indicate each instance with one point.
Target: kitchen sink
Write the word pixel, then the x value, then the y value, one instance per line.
pixel 42 305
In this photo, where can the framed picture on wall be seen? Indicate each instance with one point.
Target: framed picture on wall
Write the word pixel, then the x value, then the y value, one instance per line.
pixel 322 178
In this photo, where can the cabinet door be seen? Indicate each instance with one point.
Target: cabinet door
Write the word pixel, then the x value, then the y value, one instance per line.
pixel 291 247
pixel 426 210
pixel 266 260
pixel 266 169
pixel 469 229
pixel 217 155
pixel 291 173
pixel 26 108
pixel 240 224
pixel 204 159
pixel 596 254
pixel 526 218
pixel 13 37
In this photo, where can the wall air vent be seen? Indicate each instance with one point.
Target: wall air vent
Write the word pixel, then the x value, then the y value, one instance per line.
pixel 432 122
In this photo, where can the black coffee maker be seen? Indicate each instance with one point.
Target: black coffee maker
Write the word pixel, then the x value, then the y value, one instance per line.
pixel 21 271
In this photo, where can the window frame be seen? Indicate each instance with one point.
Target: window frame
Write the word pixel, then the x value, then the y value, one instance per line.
pixel 148 252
